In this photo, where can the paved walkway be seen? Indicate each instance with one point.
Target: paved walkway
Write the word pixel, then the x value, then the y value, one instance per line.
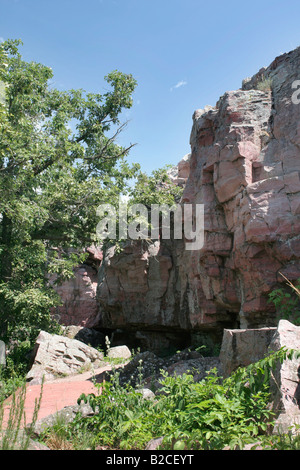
pixel 58 393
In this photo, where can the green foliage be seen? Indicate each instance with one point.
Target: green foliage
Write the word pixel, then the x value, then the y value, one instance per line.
pixel 120 418
pixel 281 441
pixel 211 414
pixel 265 84
pixel 59 159
pixel 10 383
pixel 287 302
pixel 155 189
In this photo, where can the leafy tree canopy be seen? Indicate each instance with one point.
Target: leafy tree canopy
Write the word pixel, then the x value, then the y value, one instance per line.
pixel 158 188
pixel 59 160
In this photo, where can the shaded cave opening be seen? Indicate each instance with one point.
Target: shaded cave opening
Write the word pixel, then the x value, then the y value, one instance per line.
pixel 167 342
pixel 163 343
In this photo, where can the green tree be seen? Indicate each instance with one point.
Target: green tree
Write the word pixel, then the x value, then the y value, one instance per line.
pixel 158 188
pixel 59 159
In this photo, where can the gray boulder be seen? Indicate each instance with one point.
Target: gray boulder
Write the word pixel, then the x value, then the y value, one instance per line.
pixel 120 352
pixel 57 356
pixel 243 347
pixel 64 416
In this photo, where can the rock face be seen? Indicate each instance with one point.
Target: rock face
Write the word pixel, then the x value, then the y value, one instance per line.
pixel 137 292
pixel 57 356
pixel 245 170
pixel 244 167
pixel 180 173
pixel 286 382
pixel 78 295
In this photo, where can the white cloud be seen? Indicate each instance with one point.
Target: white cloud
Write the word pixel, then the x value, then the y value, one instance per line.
pixel 1 39
pixel 178 85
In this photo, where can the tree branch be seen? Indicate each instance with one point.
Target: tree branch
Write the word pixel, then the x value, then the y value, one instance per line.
pixel 100 156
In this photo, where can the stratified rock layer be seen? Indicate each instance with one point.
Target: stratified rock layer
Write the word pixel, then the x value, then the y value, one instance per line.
pixel 245 167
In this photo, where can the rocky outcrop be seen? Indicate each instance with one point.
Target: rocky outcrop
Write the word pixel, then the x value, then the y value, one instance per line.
pixel 137 294
pixel 286 377
pixel 180 173
pixel 244 168
pixel 79 306
pixel 241 348
pixel 57 356
pixel 78 297
pixel 147 369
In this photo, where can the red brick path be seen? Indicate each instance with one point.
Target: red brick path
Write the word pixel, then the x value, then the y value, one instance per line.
pixel 58 394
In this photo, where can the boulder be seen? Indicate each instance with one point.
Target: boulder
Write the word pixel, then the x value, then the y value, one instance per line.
pixel 65 416
pixel 243 347
pixel 198 368
pixel 57 356
pixel 121 352
pixel 143 365
pixel 146 393
pixel 154 443
pixel 286 379
pixel 19 440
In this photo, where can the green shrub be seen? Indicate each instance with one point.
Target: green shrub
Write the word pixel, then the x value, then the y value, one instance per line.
pixel 265 84
pixel 211 414
pixel 287 301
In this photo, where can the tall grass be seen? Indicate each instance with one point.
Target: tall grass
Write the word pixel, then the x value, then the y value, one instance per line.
pixel 14 433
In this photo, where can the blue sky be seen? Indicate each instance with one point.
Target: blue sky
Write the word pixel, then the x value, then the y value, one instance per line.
pixel 184 55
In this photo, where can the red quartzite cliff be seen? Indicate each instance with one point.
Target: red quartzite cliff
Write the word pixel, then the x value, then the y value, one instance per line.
pixel 245 168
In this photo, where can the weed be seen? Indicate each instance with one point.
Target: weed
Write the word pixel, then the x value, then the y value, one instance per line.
pixel 12 436
pixel 265 84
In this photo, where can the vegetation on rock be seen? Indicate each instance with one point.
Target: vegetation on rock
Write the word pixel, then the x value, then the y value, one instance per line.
pixel 287 301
